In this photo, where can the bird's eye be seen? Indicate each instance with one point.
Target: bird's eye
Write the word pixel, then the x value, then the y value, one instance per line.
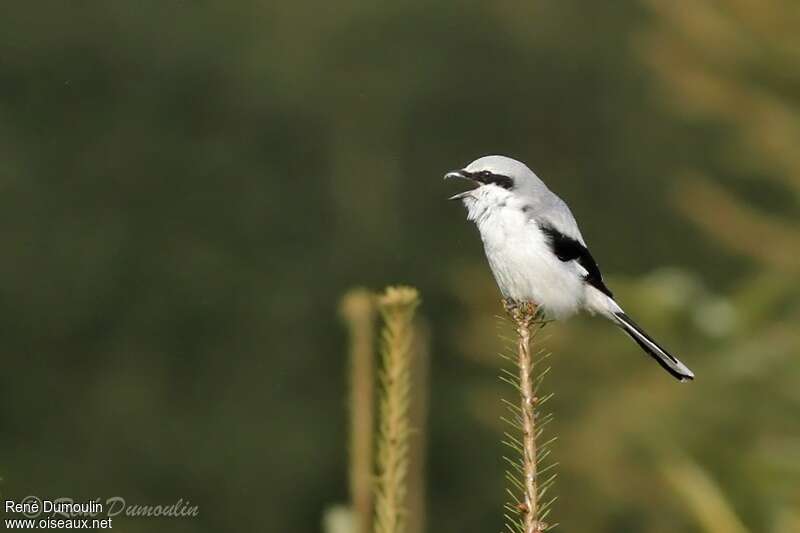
pixel 489 177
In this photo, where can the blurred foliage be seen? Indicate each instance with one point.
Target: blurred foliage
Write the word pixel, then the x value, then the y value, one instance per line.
pixel 731 63
pixel 393 438
pixel 188 187
pixel 358 309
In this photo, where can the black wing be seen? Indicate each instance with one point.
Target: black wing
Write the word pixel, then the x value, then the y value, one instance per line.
pixel 569 249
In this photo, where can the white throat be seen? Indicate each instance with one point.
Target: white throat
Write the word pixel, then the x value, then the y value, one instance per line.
pixel 484 200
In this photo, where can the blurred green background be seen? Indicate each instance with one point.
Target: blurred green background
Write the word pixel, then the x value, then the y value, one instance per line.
pixel 188 187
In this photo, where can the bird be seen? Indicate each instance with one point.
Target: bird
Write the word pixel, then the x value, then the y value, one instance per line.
pixel 536 251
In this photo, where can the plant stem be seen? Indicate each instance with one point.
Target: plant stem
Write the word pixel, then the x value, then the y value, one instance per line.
pixel 524 315
pixel 418 415
pixel 358 309
pixel 397 307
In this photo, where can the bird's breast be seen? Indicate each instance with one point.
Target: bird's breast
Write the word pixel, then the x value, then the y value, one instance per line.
pixel 525 267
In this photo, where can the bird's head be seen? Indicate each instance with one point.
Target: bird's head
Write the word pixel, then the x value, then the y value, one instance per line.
pixel 497 179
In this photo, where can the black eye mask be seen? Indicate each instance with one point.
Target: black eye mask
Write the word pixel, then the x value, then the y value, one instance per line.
pixel 486 177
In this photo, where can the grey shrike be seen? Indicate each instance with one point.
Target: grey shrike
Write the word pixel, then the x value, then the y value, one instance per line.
pixel 536 251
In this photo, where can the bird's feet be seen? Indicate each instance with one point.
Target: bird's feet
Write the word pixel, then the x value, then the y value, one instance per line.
pixel 521 312
pixel 510 305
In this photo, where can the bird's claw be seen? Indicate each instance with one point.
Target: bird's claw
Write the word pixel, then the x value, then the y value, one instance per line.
pixel 520 312
pixel 510 305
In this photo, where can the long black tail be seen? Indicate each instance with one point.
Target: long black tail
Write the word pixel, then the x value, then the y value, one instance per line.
pixel 662 357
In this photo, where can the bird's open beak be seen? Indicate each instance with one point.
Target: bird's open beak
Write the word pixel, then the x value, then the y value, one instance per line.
pixel 464 176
